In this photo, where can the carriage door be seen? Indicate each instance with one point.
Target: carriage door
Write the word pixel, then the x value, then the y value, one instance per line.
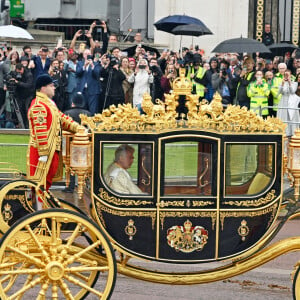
pixel 187 198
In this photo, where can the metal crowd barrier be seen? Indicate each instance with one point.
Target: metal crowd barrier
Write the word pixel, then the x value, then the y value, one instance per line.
pixel 261 109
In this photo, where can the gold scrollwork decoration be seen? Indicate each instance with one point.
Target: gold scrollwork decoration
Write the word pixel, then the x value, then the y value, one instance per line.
pixel 188 214
pixel 254 203
pixel 144 182
pixel 25 203
pixel 237 214
pixel 121 202
pixel 272 216
pixel 99 214
pixel 163 203
pixel 201 203
pixel 122 213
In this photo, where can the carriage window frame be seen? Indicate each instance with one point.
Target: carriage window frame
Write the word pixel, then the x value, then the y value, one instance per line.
pixel 268 170
pixel 211 190
pixel 137 163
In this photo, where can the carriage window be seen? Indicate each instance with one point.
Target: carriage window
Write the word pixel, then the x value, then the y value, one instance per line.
pixel 188 168
pixel 127 168
pixel 249 168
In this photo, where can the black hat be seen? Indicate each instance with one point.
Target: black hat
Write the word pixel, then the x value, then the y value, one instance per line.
pixel 43 80
pixel 78 100
pixel 197 58
pixel 213 59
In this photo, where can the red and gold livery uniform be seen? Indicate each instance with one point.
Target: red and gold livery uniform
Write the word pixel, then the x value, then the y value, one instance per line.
pixel 46 123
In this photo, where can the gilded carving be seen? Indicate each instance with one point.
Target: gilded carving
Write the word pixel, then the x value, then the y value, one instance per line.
pixel 130 229
pixel 182 85
pixel 20 198
pixel 163 116
pixel 121 202
pixel 163 203
pixel 128 213
pixel 188 214
pixel 272 216
pixel 243 230
pixel 7 213
pixel 187 238
pixel 254 203
pixel 201 203
pixel 238 214
pixel 99 214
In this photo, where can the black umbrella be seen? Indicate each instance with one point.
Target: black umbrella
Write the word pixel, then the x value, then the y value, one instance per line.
pixel 167 24
pixel 241 45
pixel 131 50
pixel 280 49
pixel 191 29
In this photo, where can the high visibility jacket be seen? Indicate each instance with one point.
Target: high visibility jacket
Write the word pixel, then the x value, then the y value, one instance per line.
pixel 258 95
pixel 276 82
pixel 199 88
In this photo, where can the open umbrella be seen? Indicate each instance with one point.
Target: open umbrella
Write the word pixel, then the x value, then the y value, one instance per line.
pixel 191 29
pixel 15 32
pixel 241 45
pixel 280 49
pixel 167 24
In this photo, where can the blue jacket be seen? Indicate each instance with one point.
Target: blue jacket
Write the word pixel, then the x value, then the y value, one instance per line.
pixel 88 78
pixel 72 78
pixel 39 69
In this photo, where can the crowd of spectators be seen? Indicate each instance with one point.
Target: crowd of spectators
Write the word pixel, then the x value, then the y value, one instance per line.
pixel 105 77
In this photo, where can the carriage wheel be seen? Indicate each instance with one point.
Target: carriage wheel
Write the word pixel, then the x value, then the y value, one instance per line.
pixel 46 255
pixel 296 284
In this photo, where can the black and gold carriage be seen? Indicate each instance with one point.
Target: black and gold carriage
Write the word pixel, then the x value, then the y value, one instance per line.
pixel 210 188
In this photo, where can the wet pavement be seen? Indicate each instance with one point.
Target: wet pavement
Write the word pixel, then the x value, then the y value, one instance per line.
pixel 73 198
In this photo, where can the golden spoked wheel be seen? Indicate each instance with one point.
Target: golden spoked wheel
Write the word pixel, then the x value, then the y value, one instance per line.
pixel 296 284
pixel 50 255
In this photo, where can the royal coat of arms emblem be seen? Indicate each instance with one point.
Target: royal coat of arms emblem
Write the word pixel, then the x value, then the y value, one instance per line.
pixel 187 238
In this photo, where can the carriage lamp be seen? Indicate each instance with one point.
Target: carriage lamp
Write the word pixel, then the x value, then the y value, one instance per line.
pixel 81 159
pixel 294 161
pixel 66 139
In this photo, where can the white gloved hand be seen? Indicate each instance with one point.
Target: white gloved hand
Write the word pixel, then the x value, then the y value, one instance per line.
pixel 43 158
